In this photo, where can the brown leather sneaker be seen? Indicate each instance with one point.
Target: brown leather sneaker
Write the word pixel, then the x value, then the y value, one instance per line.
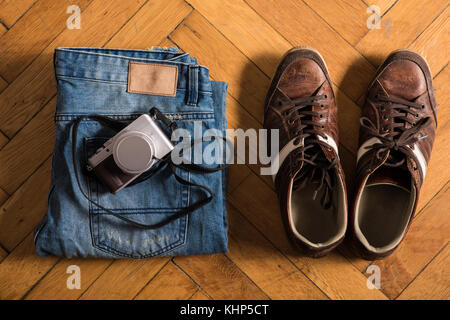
pixel 398 126
pixel 309 179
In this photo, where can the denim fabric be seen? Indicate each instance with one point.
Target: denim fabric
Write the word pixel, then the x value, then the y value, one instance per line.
pixel 94 80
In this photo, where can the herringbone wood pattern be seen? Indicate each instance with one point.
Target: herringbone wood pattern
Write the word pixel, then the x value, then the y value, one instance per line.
pixel 241 42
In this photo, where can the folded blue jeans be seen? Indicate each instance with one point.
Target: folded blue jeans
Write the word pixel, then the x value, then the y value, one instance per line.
pixel 95 81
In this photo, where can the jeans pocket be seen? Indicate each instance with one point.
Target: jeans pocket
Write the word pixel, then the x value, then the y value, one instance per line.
pixel 147 202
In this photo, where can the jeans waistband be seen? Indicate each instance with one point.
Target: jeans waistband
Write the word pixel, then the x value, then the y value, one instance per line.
pixel 111 66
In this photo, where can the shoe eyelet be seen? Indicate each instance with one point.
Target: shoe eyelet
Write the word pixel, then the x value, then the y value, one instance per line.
pixel 415 168
pixel 321 116
pixel 297 141
pixel 290 122
pixel 423 106
pixel 417 115
pixel 322 127
pixel 322 106
pixel 325 96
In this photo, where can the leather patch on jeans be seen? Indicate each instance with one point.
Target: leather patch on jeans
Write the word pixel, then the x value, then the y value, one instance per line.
pixel 150 78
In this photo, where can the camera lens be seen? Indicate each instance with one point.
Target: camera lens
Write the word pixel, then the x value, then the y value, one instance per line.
pixel 133 152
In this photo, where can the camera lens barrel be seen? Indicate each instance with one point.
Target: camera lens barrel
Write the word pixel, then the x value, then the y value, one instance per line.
pixel 133 152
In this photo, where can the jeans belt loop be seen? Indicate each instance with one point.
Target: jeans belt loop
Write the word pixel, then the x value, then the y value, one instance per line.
pixel 193 86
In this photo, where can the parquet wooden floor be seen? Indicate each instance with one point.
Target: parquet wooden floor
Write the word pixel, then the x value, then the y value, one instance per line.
pixel 241 41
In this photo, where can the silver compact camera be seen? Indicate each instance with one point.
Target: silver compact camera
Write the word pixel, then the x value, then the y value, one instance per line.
pixel 131 152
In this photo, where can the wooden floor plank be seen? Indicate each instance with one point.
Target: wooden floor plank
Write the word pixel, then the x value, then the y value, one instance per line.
pixel 36 85
pixel 3 254
pixel 351 255
pixel 3 140
pixel 151 24
pixel 348 69
pixel 237 174
pixel 347 17
pixel 54 285
pixel 29 148
pixel 228 281
pixel 28 94
pixel 348 120
pixel 31 34
pixel 2 29
pixel 408 18
pixel 265 265
pixel 260 205
pixel 434 42
pixel 21 269
pixel 441 87
pixel 3 196
pixel 21 213
pixel 238 117
pixel 199 295
pixel 170 283
pixel 348 163
pixel 426 236
pixel 249 32
pixel 433 283
pixel 384 5
pixel 331 272
pixel 11 10
pixel 438 172
pixel 124 278
pixel 3 84
pixel 246 82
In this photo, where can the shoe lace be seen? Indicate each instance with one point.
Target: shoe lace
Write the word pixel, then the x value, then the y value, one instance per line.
pixel 300 111
pixel 396 136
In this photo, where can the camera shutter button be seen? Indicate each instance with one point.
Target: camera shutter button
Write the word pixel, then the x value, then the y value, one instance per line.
pixel 133 152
